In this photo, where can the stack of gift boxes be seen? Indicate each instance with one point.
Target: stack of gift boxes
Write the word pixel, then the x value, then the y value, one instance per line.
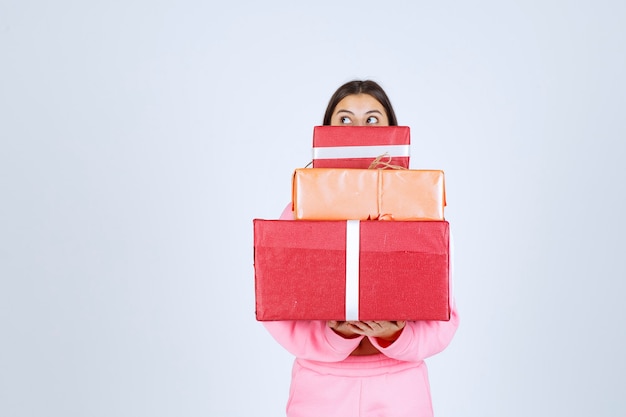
pixel 369 240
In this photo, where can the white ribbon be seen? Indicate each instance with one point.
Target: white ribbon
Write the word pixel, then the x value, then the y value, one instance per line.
pixel 352 269
pixel 359 151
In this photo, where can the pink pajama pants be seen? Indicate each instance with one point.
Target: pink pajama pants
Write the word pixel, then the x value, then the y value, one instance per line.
pixel 360 386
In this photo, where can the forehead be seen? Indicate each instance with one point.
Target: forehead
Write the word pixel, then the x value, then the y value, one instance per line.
pixel 359 102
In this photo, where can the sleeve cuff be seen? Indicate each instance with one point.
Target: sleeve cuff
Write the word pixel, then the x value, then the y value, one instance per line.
pixel 341 344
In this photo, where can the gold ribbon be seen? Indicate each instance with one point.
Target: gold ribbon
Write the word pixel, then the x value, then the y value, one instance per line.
pixel 385 164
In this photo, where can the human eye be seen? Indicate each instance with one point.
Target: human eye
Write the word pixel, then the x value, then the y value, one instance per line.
pixel 345 120
pixel 372 120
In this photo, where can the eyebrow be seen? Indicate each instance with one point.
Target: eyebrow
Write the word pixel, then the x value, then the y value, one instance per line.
pixel 367 112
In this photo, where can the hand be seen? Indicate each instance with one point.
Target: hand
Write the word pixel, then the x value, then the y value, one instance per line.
pixel 386 330
pixel 343 328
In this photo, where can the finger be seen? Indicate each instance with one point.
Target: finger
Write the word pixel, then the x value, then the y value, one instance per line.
pixel 359 327
pixel 372 325
pixel 369 325
pixel 357 330
pixel 388 324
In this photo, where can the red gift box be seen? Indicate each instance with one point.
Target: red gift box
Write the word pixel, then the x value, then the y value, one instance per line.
pixel 351 270
pixel 359 146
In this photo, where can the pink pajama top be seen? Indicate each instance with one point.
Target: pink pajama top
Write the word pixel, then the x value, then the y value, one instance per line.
pixel 314 340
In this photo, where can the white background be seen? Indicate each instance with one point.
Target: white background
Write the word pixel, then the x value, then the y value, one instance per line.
pixel 140 138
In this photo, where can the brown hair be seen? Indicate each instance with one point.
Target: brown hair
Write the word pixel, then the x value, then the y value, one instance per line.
pixel 360 87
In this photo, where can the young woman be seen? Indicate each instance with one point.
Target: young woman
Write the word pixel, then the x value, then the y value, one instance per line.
pixel 361 368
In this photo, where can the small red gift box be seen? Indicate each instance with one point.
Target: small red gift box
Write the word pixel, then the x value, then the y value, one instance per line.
pixel 351 270
pixel 359 146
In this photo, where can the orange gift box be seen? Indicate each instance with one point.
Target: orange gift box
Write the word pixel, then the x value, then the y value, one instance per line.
pixel 368 194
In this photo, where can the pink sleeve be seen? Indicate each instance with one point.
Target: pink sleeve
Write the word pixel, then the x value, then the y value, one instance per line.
pixel 421 339
pixel 312 340
pixel 287 213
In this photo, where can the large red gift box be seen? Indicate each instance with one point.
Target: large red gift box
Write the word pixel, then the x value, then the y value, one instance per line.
pixel 359 146
pixel 351 270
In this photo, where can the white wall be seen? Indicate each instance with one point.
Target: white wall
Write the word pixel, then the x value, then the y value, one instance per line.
pixel 138 140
